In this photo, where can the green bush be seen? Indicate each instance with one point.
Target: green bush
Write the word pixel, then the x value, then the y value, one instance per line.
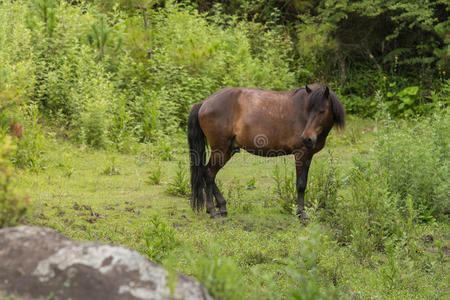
pixel 192 59
pixel 159 238
pixel 415 162
pixel 111 167
pixel 219 275
pixel 368 215
pixel 16 55
pixel 111 81
pixel 305 269
pixel 324 183
pixel 285 186
pixel 9 107
pixel 34 142
pixel 13 208
pixel 402 183
pixel 180 183
pixel 155 175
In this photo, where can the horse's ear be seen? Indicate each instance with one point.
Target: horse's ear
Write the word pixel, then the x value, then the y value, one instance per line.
pixel 308 90
pixel 327 92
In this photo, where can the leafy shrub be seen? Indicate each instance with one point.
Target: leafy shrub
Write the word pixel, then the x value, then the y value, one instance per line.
pixel 95 97
pixel 155 175
pixel 306 267
pixel 16 69
pixel 285 187
pixel 16 84
pixel 12 207
pixel 68 82
pixel 312 49
pixel 180 184
pixel 192 59
pixel 111 168
pixel 159 238
pixel 163 147
pixel 123 133
pixel 32 145
pixel 100 38
pixel 234 192
pixel 93 127
pixel 417 167
pixel 323 184
pixel 219 275
pixel 403 102
pixel 403 183
pixel 367 216
pixel 9 107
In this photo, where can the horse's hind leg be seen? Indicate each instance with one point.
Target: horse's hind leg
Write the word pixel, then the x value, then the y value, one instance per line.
pixel 221 203
pixel 216 162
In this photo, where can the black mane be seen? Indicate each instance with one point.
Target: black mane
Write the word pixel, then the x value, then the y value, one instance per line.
pixel 294 91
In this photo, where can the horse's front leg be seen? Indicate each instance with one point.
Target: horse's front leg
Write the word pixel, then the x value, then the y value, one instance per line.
pixel 302 163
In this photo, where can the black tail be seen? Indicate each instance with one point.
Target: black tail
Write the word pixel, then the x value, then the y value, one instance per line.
pixel 197 151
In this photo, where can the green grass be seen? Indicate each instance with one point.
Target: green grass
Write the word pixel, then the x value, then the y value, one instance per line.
pixel 257 252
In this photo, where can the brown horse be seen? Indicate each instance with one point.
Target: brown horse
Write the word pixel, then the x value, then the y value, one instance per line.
pixel 263 122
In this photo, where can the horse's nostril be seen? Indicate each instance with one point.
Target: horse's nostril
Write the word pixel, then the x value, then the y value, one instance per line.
pixel 308 142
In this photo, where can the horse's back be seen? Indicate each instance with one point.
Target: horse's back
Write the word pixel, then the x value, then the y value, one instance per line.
pixel 239 98
pixel 220 101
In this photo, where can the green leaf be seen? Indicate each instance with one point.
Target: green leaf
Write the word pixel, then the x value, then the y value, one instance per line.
pixel 408 100
pixel 411 90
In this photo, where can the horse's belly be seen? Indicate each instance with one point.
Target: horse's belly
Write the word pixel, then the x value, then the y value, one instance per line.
pixel 268 152
pixel 264 144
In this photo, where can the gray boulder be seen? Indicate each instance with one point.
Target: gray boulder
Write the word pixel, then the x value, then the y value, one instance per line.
pixel 39 263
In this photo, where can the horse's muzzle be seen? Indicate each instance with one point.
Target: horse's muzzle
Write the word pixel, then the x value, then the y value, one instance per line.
pixel 308 142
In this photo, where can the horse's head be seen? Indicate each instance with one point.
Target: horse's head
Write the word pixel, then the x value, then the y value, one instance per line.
pixel 323 110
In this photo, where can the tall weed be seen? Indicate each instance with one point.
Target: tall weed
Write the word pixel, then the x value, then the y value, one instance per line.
pixel 324 183
pixel 285 187
pixel 367 215
pixel 180 183
pixel 219 274
pixel 159 238
pixel 34 142
pixel 415 162
pixel 13 207
pixel 305 270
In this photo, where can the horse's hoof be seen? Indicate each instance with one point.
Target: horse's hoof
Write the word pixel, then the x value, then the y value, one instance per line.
pixel 223 213
pixel 215 216
pixel 303 216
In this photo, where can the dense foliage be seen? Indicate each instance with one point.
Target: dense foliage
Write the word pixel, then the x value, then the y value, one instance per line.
pixel 107 79
pixel 363 47
pixel 113 72
pixel 13 207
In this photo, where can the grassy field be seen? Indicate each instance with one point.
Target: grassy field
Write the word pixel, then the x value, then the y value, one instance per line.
pixel 260 251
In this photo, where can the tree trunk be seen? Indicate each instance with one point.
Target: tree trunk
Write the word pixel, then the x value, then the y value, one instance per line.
pixel 144 14
pixel 342 68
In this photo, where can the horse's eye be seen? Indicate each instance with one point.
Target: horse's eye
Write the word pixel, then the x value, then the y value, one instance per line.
pixel 322 112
